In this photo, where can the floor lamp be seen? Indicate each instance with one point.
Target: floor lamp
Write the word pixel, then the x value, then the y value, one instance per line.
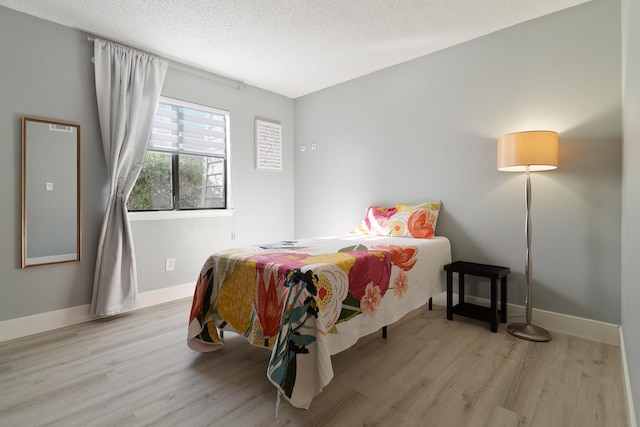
pixel 527 152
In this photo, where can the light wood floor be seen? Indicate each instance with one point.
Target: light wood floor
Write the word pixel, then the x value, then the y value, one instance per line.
pixel 136 370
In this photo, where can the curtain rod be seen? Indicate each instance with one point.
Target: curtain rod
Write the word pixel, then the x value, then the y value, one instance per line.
pixel 238 84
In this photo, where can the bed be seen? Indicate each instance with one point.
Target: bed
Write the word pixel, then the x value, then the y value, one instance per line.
pixel 308 299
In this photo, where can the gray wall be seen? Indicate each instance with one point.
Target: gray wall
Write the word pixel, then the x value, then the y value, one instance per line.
pixel 427 130
pixel 46 72
pixel 631 193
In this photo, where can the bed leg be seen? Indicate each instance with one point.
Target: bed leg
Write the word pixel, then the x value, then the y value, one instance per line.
pixel 384 332
pixel 431 303
pixel 222 325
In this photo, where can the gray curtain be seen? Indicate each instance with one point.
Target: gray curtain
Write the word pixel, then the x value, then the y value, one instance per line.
pixel 128 85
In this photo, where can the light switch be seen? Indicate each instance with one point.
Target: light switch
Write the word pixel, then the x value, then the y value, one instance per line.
pixel 49 186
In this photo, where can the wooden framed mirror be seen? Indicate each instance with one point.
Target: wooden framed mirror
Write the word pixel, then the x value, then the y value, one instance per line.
pixel 50 192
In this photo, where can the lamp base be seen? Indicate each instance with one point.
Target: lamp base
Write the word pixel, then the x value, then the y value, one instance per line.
pixel 529 332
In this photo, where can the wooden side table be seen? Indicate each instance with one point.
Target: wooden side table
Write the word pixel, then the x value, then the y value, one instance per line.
pixel 487 314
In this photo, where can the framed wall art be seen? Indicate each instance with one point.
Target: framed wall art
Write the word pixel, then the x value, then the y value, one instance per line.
pixel 268 145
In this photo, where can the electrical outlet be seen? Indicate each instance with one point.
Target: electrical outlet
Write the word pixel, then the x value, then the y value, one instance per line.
pixel 169 264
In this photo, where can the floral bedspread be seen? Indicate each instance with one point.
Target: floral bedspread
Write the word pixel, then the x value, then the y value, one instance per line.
pixel 311 298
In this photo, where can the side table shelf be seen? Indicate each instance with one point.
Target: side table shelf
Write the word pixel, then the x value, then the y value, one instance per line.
pixel 474 311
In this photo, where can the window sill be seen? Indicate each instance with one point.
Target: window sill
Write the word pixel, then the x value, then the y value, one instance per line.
pixel 164 215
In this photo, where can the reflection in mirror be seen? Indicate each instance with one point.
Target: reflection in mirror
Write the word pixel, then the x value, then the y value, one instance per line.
pixel 50 192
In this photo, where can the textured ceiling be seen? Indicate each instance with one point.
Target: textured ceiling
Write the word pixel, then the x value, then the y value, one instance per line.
pixel 291 47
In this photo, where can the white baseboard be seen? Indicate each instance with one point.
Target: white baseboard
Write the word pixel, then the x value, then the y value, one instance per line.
pixel 631 413
pixel 160 296
pixel 578 326
pixel 42 322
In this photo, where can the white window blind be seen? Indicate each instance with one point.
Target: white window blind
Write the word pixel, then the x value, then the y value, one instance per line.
pixel 185 128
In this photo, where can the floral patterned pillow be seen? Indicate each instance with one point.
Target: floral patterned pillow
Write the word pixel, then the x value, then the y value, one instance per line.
pixel 401 220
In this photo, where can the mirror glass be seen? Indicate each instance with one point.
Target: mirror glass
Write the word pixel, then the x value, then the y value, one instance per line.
pixel 50 192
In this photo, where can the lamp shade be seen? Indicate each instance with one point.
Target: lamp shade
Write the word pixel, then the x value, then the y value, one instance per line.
pixel 537 149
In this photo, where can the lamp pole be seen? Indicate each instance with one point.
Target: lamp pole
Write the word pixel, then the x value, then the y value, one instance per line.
pixel 527 231
pixel 527 330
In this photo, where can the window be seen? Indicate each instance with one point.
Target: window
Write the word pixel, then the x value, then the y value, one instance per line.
pixel 186 162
